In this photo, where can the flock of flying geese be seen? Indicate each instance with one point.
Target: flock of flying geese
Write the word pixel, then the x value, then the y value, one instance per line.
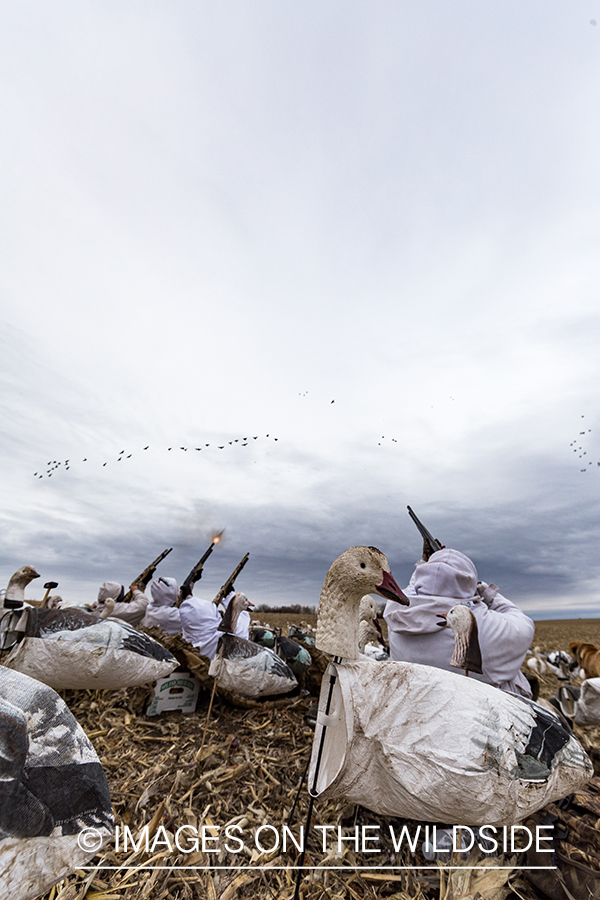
pixel 53 465
pixel 577 444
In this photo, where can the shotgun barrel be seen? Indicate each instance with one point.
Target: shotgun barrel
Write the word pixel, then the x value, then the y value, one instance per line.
pixel 148 573
pixel 196 573
pixel 425 534
pixel 228 586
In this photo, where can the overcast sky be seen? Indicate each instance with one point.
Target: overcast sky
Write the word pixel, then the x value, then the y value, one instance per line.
pixel 369 231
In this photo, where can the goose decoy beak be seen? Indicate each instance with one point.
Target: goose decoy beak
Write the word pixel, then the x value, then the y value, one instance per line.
pixel 390 590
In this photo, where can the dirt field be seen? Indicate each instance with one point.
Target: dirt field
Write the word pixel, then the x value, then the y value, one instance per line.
pixel 556 634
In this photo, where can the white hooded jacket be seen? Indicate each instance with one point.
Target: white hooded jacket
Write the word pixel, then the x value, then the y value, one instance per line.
pixel 200 620
pixel 447 579
pixel 132 612
pixel 161 610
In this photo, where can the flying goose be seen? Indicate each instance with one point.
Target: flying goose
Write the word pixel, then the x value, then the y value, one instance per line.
pixel 422 743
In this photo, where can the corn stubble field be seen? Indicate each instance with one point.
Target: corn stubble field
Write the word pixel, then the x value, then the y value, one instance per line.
pixel 247 773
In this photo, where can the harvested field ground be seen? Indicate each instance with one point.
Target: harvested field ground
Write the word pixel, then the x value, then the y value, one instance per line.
pixel 248 774
pixel 556 634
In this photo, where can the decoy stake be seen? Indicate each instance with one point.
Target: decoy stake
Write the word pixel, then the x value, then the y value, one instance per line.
pixel 312 791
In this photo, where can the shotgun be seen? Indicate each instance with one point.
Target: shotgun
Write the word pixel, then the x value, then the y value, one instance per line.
pixel 196 573
pixel 228 586
pixel 148 573
pixel 434 544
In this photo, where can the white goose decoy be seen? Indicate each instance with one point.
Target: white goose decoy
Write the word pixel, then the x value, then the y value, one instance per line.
pixel 537 663
pixel 467 652
pixel 14 596
pixel 422 743
pixel 52 790
pixel 73 648
pixel 243 666
pixel 562 664
pixel 370 636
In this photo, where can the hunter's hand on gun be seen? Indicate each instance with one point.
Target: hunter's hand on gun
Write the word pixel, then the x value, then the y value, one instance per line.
pixel 185 592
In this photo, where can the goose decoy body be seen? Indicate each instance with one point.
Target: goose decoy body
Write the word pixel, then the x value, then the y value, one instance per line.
pixel 73 648
pixel 561 664
pixel 413 741
pixel 245 667
pixel 296 657
pixel 291 652
pixel 301 633
pixel 265 637
pixel 52 789
pixel 537 663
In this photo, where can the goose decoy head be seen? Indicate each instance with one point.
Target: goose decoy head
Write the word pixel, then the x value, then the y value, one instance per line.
pixel 358 571
pixel 238 603
pixel 14 596
pixel 108 608
pixel 467 652
pixel 24 575
pixel 364 570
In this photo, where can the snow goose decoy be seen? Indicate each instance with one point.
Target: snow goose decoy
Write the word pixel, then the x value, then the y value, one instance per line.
pixel 296 657
pixel 561 664
pixel 413 741
pixel 301 633
pixel 52 790
pixel 245 667
pixel 370 636
pixel 262 635
pixel 537 662
pixel 467 652
pixel 73 648
pixel 15 591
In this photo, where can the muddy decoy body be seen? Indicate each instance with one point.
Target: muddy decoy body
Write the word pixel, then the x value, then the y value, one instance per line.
pixel 414 741
pixel 73 648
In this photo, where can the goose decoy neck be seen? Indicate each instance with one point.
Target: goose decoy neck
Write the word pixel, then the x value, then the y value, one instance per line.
pixel 19 580
pixel 358 571
pixel 238 603
pixel 467 652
